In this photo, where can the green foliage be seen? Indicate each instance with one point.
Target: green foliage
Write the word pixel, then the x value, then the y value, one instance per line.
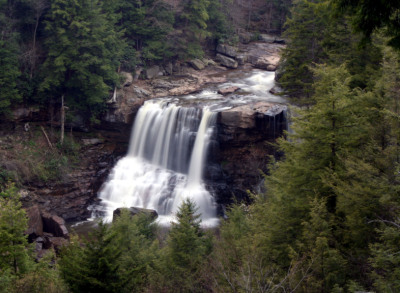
pixel 135 238
pixel 43 276
pixel 385 258
pixel 115 258
pixel 83 54
pixel 94 267
pixel 218 24
pixel 306 30
pixel 9 71
pixel 315 36
pixel 179 268
pixel 193 21
pixel 367 17
pixel 13 242
pixel 145 25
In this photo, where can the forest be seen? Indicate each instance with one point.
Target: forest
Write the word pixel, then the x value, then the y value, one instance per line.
pixel 329 219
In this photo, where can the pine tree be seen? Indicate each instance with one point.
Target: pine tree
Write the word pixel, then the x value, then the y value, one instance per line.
pixel 305 31
pixel 13 241
pixel 146 25
pixel 9 69
pixel 368 17
pixel 82 56
pixel 134 236
pixel 94 267
pixel 194 19
pixel 181 262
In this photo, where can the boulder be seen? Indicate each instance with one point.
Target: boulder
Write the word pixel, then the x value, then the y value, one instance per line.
pixel 208 62
pixel 35 223
pixel 91 141
pixel 128 78
pixel 168 68
pixel 267 63
pixel 227 50
pixel 152 72
pixel 197 64
pixel 58 242
pixel 228 90
pixel 241 59
pixel 245 37
pixel 54 225
pixel 134 211
pixel 226 61
pixel 267 38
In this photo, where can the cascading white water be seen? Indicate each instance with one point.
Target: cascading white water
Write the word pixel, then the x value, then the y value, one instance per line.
pixel 164 163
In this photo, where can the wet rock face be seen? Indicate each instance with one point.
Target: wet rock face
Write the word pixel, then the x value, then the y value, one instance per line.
pixel 243 136
pixel 251 123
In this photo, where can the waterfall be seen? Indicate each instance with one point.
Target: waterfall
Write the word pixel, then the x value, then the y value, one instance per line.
pixel 164 163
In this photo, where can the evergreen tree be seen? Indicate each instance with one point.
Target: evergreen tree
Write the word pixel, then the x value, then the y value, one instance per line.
pixel 13 242
pixel 194 19
pixel 217 24
pixel 145 25
pixel 306 30
pixel 179 268
pixel 82 56
pixel 94 267
pixel 385 258
pixel 369 16
pixel 9 67
pixel 134 236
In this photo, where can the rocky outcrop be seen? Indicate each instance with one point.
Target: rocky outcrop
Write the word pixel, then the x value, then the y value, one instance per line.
pixel 47 231
pixel 244 134
pixel 197 64
pixel 135 211
pixel 153 72
pixel 128 78
pixel 54 225
pixel 35 223
pixel 226 61
pixel 262 55
pixel 227 50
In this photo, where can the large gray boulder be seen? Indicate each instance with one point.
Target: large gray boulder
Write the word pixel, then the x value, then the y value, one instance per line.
pixel 226 61
pixel 153 72
pixel 197 64
pixel 135 211
pixel 227 50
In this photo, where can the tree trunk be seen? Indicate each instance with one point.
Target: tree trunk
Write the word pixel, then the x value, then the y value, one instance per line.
pixel 62 119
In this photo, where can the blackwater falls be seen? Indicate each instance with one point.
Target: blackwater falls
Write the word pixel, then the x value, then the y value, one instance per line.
pixel 168 149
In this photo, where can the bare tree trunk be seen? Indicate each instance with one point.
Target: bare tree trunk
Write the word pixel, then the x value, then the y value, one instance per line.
pixel 62 119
